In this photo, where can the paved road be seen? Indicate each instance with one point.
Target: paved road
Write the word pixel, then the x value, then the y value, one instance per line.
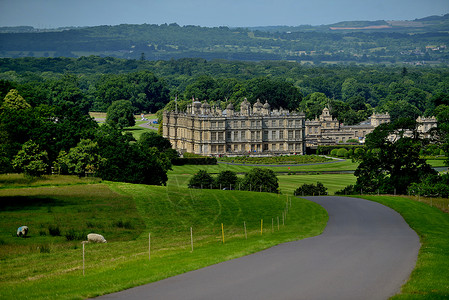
pixel 367 251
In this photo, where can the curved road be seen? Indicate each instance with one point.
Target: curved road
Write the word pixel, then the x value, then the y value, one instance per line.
pixel 367 251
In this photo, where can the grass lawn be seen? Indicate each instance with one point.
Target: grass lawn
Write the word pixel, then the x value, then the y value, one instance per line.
pixel 430 278
pixel 43 266
pixel 137 130
pixel 346 165
pixel 436 162
pixel 288 183
pixel 334 182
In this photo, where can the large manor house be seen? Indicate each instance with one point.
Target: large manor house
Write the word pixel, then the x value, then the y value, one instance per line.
pixel 261 131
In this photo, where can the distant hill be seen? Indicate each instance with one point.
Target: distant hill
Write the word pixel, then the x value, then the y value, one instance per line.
pixel 417 41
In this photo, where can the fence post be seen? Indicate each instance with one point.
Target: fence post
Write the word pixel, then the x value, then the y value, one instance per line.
pixel 244 226
pixel 222 232
pixel 83 257
pixel 191 238
pixel 261 226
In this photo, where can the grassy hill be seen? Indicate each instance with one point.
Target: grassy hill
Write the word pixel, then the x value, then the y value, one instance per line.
pixel 50 267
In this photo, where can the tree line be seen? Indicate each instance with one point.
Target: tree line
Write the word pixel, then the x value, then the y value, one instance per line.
pixel 352 92
pixel 167 41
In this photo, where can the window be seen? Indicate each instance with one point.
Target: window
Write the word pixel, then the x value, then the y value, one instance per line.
pixel 220 136
pixel 290 134
pixel 273 135
pixel 236 135
pixel 297 134
pixel 213 136
pixel 281 134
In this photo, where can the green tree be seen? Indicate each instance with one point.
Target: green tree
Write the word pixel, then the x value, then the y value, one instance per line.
pixel 202 179
pixel 311 190
pixel 121 113
pixel 277 92
pixel 13 100
pixel 260 179
pixel 152 139
pixel 31 160
pixel 443 129
pixel 227 179
pixel 82 159
pixel 313 104
pixel 127 161
pixel 392 160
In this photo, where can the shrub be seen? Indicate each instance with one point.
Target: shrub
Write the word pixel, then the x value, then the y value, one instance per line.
pixel 44 249
pixel 123 224
pixel 359 151
pixel 341 152
pixel 352 141
pixel 350 153
pixel 258 179
pixel 201 180
pixel 194 161
pixel 54 230
pixel 72 235
pixel 334 152
pixel 311 190
pixel 348 190
pixel 226 179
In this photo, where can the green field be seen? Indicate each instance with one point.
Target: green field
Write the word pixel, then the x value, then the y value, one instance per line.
pixel 339 166
pixel 289 183
pixel 50 267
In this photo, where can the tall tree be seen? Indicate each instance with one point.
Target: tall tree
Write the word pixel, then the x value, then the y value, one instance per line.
pixel 392 161
pixel 121 114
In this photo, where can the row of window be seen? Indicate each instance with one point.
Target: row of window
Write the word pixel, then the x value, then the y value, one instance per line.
pixel 258 148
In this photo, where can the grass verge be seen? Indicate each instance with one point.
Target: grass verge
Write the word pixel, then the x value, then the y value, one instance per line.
pixel 430 278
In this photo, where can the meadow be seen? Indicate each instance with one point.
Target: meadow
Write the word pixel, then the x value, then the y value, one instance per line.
pixel 47 266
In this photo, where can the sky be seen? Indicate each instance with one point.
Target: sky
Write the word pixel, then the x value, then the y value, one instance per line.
pixel 211 13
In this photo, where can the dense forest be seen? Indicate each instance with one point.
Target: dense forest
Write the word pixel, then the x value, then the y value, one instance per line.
pixel 353 92
pixel 416 42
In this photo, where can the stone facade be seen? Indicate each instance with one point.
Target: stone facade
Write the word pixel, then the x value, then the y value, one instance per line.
pixel 254 130
pixel 327 130
pixel 260 131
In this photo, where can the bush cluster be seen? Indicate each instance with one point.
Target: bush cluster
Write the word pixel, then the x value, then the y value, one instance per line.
pixel 311 190
pixel 258 179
